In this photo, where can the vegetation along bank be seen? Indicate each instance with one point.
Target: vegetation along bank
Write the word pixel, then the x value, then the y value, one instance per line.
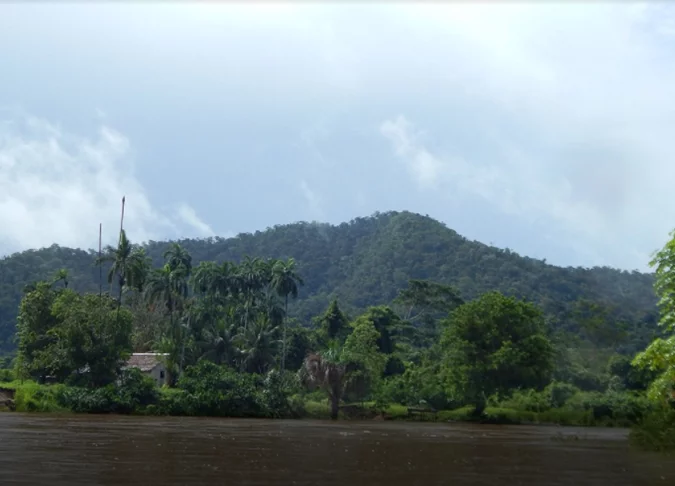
pixel 404 320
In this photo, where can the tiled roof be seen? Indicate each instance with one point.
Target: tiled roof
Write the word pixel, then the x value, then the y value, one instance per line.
pixel 144 361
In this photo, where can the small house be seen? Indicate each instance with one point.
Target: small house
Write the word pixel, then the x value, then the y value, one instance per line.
pixel 150 364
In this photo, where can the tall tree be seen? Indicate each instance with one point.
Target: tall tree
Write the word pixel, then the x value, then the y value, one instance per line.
pixel 659 357
pixel 61 276
pixel 492 345
pixel 333 324
pixel 130 265
pixel 285 281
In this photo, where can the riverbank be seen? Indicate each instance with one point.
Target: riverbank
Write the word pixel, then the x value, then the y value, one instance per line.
pixel 58 398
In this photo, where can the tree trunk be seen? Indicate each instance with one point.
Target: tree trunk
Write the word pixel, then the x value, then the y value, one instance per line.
pixel 283 343
pixel 480 406
pixel 334 407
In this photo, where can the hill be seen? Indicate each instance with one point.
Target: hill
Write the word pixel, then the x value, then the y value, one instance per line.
pixel 366 262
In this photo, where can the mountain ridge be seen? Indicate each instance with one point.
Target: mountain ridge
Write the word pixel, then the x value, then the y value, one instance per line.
pixel 365 262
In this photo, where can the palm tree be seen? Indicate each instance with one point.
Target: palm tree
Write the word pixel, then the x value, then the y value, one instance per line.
pixel 176 256
pixel 325 370
pixel 61 276
pixel 129 263
pixel 257 345
pixel 217 342
pixel 285 281
pixel 250 283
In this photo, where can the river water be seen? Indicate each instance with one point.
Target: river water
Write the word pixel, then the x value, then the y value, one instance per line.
pixel 129 451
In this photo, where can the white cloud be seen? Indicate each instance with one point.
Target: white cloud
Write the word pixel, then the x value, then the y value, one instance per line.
pixel 572 108
pixel 313 201
pixel 56 187
pixel 188 215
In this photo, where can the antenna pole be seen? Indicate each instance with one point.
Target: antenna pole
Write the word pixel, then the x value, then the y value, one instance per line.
pixel 100 263
pixel 122 218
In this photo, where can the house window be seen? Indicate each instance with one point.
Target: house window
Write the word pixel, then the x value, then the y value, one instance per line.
pixel 161 374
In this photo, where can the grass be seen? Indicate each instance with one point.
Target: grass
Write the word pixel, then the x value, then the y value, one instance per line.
pixel 32 397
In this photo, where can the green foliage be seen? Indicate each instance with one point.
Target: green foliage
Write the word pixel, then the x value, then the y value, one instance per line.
pixel 494 344
pixel 333 324
pixel 83 338
pixel 7 375
pixel 230 333
pixel 367 262
pixel 32 397
pixel 656 431
pixel 133 393
pixel 212 390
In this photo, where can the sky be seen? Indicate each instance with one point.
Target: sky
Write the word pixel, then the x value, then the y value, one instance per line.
pixel 544 128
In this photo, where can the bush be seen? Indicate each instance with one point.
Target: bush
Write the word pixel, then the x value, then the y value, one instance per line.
pixel 277 388
pixel 527 400
pixel 656 431
pixel 212 390
pixel 559 393
pixel 133 393
pixel 6 375
pixel 31 397
pixel 415 389
pixel 612 407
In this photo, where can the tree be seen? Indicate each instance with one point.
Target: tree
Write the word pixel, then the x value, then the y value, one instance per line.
pixel 659 357
pixel 130 264
pixel 257 345
pixel 64 335
pixel 285 280
pixel 34 326
pixel 61 276
pixel 93 338
pixel 176 256
pixel 492 345
pixel 386 324
pixel 333 323
pixel 325 370
pixel 423 303
pixel 365 363
pixel 169 287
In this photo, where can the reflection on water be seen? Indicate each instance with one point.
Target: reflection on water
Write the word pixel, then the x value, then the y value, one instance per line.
pixel 129 451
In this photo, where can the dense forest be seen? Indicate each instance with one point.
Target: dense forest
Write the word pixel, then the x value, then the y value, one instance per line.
pixel 367 261
pixel 461 330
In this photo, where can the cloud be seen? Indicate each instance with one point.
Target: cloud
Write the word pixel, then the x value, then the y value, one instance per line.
pixel 562 115
pixel 313 201
pixel 188 215
pixel 56 187
pixel 515 186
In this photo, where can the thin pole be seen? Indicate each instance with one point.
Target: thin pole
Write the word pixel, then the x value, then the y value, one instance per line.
pixel 119 303
pixel 100 263
pixel 122 218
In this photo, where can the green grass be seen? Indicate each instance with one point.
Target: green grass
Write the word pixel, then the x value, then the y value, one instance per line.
pixel 31 397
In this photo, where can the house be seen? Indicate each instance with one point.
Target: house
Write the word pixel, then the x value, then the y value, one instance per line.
pixel 151 364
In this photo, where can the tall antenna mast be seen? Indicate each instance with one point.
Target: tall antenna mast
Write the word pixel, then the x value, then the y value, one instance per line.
pixel 100 263
pixel 123 270
pixel 122 218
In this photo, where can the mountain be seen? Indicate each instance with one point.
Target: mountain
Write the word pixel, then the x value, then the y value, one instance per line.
pixel 366 262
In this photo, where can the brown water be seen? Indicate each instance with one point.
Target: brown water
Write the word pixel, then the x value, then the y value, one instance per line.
pixel 130 451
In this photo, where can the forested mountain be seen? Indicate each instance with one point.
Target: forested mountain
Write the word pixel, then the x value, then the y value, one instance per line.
pixel 366 262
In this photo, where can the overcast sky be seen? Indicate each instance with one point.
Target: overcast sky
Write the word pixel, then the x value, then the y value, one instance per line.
pixel 546 129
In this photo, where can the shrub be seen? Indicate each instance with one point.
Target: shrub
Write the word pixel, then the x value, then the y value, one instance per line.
pixel 527 400
pixel 6 375
pixel 559 393
pixel 656 431
pixel 212 390
pixel 31 397
pixel 133 393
